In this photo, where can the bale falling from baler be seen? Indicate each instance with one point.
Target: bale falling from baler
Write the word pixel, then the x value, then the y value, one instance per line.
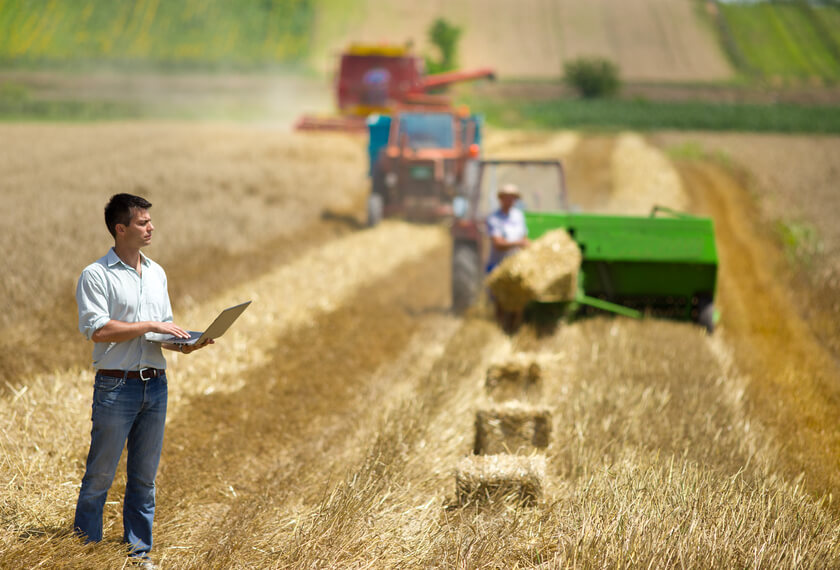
pixel 545 271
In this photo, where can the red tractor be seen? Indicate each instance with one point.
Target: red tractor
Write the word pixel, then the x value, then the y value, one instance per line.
pixel 420 159
pixel 375 79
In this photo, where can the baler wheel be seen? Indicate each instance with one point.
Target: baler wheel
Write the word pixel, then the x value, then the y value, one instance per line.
pixel 466 277
pixel 706 315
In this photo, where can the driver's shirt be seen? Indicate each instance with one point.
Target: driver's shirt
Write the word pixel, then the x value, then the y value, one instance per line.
pixel 510 227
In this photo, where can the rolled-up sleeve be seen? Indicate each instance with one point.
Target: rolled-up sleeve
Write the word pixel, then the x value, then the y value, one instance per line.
pixel 92 301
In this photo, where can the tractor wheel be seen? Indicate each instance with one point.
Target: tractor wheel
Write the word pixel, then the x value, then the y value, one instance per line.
pixel 706 315
pixel 375 207
pixel 466 277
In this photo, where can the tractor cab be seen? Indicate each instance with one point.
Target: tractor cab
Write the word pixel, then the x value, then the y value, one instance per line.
pixel 419 160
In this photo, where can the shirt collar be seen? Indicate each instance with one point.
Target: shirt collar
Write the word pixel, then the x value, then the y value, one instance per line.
pixel 113 259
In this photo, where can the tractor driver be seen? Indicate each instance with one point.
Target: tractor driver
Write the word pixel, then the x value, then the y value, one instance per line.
pixel 506 227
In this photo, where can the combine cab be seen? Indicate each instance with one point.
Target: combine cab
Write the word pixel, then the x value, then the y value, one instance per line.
pixel 375 79
pixel 663 266
pixel 419 160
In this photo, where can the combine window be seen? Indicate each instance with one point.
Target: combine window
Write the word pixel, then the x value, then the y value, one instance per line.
pixel 427 130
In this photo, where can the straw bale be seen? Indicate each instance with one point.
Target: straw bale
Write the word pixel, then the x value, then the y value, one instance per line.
pixel 517 377
pixel 483 478
pixel 546 271
pixel 512 427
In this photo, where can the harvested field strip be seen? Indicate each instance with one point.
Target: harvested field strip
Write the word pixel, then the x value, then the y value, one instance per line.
pixel 302 417
pixel 588 172
pixel 190 173
pixel 334 441
pixel 382 509
pixel 793 377
pixel 799 205
pixel 645 445
pixel 643 178
pixel 226 197
pixel 292 295
pixel 513 144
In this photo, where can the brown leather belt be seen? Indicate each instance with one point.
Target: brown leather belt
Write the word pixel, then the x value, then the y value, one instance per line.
pixel 144 374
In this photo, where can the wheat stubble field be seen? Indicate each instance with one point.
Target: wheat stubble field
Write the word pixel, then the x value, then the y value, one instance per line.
pixel 325 429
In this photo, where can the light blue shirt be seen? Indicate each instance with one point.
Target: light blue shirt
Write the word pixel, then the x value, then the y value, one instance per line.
pixel 108 289
pixel 510 226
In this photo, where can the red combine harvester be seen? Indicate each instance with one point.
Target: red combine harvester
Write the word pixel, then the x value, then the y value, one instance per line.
pixel 375 79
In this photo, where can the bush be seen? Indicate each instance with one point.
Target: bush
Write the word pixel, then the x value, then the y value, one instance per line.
pixel 592 77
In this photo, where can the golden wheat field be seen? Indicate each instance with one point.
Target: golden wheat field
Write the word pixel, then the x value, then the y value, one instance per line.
pixel 328 428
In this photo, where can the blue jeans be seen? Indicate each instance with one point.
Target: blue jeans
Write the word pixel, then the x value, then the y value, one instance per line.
pixel 132 411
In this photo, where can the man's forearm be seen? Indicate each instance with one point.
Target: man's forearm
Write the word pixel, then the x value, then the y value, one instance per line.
pixel 120 331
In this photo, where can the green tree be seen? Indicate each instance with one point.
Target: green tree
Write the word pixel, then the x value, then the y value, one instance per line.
pixel 444 37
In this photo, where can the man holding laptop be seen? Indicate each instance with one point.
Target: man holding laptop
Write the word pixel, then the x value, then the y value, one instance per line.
pixel 122 298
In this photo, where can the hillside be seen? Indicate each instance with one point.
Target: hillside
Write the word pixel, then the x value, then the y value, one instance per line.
pixel 659 40
pixel 651 40
pixel 783 41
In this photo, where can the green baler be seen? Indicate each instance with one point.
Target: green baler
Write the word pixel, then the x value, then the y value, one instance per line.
pixel 663 266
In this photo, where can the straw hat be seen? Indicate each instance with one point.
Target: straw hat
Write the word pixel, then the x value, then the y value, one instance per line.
pixel 509 190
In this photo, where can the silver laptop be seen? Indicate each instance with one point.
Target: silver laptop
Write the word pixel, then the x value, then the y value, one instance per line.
pixel 215 330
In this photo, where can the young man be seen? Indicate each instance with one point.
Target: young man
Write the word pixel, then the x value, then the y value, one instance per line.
pixel 122 297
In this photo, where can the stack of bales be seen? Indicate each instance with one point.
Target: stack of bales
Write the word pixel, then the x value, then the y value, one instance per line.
pixel 512 432
pixel 545 271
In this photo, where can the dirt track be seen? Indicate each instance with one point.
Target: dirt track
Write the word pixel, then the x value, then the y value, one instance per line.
pixel 324 431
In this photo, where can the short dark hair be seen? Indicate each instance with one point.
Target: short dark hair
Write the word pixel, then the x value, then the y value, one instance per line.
pixel 120 209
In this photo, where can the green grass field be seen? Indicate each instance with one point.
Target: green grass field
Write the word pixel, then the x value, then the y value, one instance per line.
pixel 785 41
pixel 649 115
pixel 187 33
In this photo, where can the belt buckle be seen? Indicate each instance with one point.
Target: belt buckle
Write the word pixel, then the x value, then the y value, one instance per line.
pixel 143 370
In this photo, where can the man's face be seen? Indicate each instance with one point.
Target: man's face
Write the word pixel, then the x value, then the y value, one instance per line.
pixel 138 233
pixel 506 201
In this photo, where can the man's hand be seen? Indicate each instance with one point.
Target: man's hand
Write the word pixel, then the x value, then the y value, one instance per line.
pixel 168 328
pixel 194 347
